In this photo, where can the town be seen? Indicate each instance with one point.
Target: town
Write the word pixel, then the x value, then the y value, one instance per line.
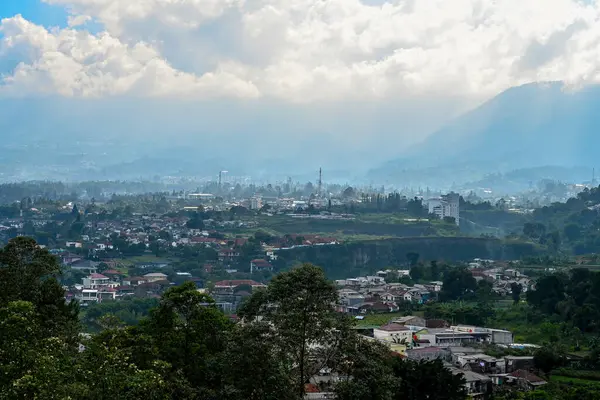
pixel 409 272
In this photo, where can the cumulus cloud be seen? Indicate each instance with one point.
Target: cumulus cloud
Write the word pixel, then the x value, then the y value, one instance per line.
pixel 305 50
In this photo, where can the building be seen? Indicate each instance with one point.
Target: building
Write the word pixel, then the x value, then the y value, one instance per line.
pixel 155 277
pixel 410 321
pixel 260 265
pixel 95 281
pixel 256 203
pixel 232 284
pixel 446 206
pixel 393 333
pixel 228 255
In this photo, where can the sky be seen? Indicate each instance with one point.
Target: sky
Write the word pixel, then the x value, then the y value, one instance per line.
pixel 432 58
pixel 295 50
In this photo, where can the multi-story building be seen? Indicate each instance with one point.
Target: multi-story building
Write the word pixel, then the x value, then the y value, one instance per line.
pixel 446 206
pixel 256 203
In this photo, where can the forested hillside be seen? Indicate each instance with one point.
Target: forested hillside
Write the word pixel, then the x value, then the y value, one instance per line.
pixel 356 258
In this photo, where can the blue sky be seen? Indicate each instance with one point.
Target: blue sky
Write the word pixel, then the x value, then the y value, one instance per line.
pixel 35 11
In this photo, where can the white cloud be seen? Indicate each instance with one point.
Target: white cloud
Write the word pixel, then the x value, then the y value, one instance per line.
pixel 306 50
pixel 76 63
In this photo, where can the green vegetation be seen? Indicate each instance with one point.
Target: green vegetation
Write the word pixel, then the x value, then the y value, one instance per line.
pixel 367 257
pixel 571 226
pixel 187 349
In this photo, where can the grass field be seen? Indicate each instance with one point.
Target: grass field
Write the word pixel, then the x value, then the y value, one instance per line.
pixel 382 319
pixel 574 381
pixel 147 258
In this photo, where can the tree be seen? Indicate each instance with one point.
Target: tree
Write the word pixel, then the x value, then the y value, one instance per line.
pixel 195 222
pixel 349 193
pixel 549 291
pixel 32 365
pixel 427 380
pixel 458 284
pixel 29 273
pixel 190 333
pixel 516 290
pixel 259 372
pixel 572 232
pixel 548 358
pixel 534 230
pixel 300 306
pixel 367 368
pixel 450 220
pixel 413 258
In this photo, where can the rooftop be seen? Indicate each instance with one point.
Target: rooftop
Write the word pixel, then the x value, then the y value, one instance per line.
pixel 393 327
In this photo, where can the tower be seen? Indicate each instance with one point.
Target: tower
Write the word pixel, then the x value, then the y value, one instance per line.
pixel 320 182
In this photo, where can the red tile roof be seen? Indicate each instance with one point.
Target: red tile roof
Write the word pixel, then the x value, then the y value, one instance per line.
pixel 98 276
pixel 528 376
pixel 113 272
pixel 237 282
pixel 393 327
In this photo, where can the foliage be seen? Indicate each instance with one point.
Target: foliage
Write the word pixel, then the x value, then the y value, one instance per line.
pixel 573 298
pixel 427 380
pixel 459 284
pixel 127 312
pixel 187 349
pixel 460 312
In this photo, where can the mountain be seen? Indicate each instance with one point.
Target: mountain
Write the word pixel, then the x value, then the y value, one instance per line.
pixel 524 127
pixel 128 138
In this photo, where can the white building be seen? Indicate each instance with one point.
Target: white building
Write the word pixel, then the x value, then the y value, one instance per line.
pixel 446 206
pixel 393 333
pixel 95 281
pixel 256 203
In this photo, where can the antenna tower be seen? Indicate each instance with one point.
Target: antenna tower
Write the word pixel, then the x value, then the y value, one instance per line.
pixel 320 182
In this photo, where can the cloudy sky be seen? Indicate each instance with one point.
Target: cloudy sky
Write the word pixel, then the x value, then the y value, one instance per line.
pixel 431 58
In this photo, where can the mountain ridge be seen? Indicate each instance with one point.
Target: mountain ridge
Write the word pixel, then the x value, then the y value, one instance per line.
pixel 528 126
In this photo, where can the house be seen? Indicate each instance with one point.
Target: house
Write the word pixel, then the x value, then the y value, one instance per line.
pixel 525 380
pixel 427 353
pixel 410 320
pixel 85 266
pixel 95 281
pixel 231 284
pixel 228 255
pixel 107 293
pixel 260 265
pixel 480 363
pixel 478 386
pixel 155 277
pixel 393 333
pixel 437 323
pixel 514 363
pixel 87 296
pixel 134 281
pixel 113 274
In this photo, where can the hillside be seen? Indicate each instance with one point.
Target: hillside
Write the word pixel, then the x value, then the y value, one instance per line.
pixel 524 127
pixel 366 257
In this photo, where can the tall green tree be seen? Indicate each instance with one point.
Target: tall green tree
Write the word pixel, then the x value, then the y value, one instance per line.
pixel 190 334
pixel 516 290
pixel 300 306
pixel 29 273
pixel 458 284
pixel 427 380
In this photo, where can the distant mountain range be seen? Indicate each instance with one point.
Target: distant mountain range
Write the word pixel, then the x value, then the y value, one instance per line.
pixel 129 138
pixel 524 127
